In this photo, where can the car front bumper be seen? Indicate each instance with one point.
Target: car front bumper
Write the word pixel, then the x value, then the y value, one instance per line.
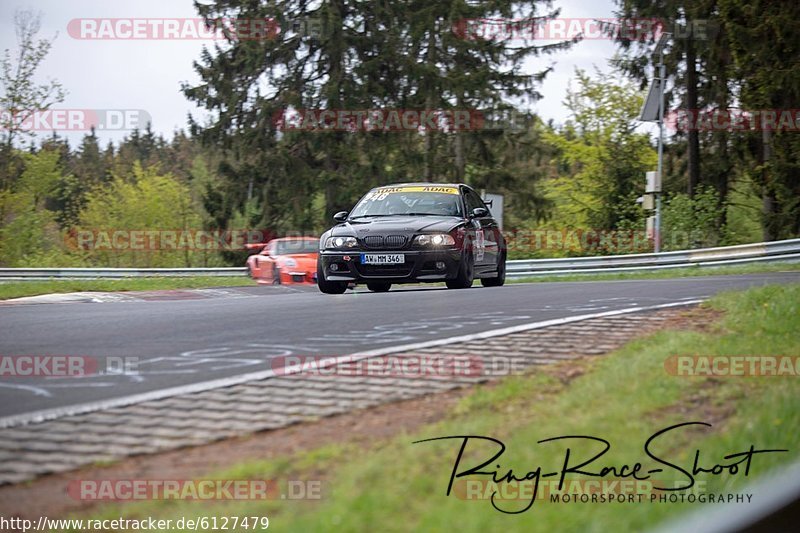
pixel 298 276
pixel 419 266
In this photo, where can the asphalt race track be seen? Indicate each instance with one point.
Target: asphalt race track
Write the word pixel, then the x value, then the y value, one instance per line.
pixel 175 342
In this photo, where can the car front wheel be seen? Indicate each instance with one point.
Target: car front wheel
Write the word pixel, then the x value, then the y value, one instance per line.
pixel 501 274
pixel 466 270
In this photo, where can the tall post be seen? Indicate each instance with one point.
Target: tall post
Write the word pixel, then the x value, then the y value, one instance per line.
pixel 653 111
pixel 662 74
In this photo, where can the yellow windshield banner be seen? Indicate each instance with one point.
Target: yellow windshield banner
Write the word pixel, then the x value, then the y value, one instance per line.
pixel 415 188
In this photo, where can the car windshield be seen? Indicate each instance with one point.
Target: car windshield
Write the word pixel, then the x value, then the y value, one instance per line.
pixel 416 200
pixel 297 246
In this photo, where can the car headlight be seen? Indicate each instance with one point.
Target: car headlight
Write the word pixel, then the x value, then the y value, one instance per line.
pixel 341 242
pixel 439 239
pixel 289 262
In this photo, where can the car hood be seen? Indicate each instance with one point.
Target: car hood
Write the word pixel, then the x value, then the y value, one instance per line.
pixel 403 225
pixel 298 258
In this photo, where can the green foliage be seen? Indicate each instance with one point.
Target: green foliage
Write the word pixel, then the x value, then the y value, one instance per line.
pixel 40 177
pixel 29 234
pixel 740 54
pixel 601 159
pixel 743 214
pixel 148 201
pixel 26 236
pixel 690 222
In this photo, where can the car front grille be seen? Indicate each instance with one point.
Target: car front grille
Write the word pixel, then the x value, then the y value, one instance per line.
pixel 373 241
pixel 394 241
pixel 390 242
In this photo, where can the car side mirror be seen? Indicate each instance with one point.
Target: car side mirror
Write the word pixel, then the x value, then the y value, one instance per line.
pixel 341 216
pixel 479 212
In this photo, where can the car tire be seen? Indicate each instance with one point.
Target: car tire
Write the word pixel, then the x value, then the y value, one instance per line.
pixel 466 270
pixel 276 275
pixel 501 274
pixel 328 287
pixel 379 287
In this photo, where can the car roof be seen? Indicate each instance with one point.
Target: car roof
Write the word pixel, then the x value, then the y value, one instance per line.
pixel 422 184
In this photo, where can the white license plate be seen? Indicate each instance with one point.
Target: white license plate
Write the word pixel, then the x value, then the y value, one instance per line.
pixel 383 259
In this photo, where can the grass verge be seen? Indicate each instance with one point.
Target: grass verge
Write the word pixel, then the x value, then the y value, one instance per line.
pixel 18 289
pixel 624 398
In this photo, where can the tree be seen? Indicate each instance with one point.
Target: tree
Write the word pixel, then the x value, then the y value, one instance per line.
pixel 690 222
pixel 29 234
pixel 21 96
pixel 746 57
pixel 601 159
pixel 148 202
pixel 349 54
pixel 684 57
pixel 764 42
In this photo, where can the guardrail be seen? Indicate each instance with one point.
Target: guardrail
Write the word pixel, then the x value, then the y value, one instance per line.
pixel 788 250
pixel 38 274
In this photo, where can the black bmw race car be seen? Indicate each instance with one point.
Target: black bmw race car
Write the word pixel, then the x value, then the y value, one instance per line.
pixel 413 232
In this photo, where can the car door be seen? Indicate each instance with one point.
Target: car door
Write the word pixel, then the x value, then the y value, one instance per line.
pixel 256 264
pixel 485 242
pixel 269 261
pixel 493 236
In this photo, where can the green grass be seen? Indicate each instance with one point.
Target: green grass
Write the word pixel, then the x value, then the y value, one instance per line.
pixel 623 397
pixel 667 273
pixel 18 289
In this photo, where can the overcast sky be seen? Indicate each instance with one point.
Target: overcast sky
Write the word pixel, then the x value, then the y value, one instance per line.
pixel 146 74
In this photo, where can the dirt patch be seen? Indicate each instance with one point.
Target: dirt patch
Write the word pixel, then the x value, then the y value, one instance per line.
pixel 567 372
pixel 701 319
pixel 703 403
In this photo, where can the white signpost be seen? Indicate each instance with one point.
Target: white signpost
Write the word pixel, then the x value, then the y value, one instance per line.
pixel 495 207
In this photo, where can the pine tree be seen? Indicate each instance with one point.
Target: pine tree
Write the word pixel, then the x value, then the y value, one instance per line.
pixel 349 54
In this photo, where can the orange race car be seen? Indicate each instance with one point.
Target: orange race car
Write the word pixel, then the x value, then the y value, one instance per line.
pixel 284 260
